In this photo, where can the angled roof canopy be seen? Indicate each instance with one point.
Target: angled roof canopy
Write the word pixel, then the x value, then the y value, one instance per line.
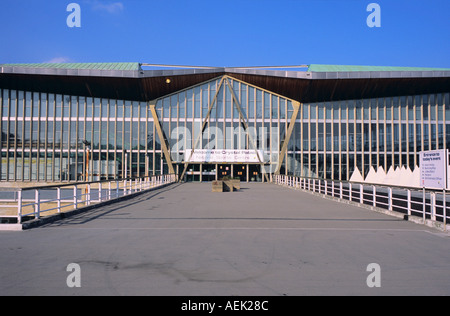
pixel 304 83
pixel 341 68
pixel 96 66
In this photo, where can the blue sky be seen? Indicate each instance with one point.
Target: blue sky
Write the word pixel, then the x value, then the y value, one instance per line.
pixel 228 32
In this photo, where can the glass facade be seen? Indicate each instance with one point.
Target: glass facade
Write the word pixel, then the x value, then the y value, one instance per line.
pixel 386 132
pixel 51 137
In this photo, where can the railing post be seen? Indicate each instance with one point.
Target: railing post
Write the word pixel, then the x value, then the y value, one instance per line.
pixel 99 192
pixel 109 190
pixel 332 188
pixel 409 202
pixel 444 210
pixel 58 197
pixel 340 190
pixel 88 197
pixel 117 188
pixel 433 206
pixel 75 197
pixel 390 198
pixel 374 192
pixel 349 191
pixel 361 194
pixel 37 205
pixel 424 200
pixel 19 206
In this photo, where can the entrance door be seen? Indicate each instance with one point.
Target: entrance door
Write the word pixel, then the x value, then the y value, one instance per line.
pixel 254 173
pixel 224 171
pixel 240 172
pixel 208 172
pixel 193 173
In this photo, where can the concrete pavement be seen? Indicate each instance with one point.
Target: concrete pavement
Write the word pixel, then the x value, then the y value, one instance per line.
pixel 263 240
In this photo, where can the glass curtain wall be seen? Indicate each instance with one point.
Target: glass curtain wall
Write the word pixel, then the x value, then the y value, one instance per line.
pixel 53 137
pixel 47 137
pixel 340 136
pixel 182 115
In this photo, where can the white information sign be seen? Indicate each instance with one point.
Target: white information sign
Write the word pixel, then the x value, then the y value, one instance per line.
pixel 433 169
pixel 223 155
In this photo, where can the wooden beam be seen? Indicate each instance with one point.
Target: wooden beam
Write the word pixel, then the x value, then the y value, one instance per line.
pixel 205 120
pixel 164 148
pixel 296 106
pixel 244 121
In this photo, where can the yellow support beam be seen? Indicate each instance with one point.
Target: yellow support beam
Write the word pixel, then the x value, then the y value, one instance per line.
pixel 244 121
pixel 296 106
pixel 164 148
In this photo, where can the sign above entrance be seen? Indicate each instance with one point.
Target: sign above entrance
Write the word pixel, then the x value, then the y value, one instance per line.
pixel 223 156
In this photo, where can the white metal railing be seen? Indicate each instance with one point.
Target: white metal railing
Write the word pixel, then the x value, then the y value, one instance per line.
pixel 428 204
pixel 35 201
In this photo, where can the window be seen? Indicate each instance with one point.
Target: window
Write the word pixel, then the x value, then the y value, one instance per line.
pixel 305 138
pixel 74 106
pixel 36 101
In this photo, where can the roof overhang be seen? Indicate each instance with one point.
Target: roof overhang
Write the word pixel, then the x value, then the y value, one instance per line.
pixel 134 83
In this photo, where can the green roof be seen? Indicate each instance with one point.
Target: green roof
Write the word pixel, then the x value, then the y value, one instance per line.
pixel 339 68
pixel 96 66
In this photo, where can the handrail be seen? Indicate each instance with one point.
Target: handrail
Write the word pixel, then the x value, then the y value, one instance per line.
pixel 114 189
pixel 393 198
pixel 377 184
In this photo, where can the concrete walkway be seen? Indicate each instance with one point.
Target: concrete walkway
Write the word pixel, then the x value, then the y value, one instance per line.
pixel 263 240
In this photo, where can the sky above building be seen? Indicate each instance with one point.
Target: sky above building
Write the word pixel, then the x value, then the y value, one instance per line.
pixel 228 33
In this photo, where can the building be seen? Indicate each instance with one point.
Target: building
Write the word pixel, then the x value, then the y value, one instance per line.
pixel 75 122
